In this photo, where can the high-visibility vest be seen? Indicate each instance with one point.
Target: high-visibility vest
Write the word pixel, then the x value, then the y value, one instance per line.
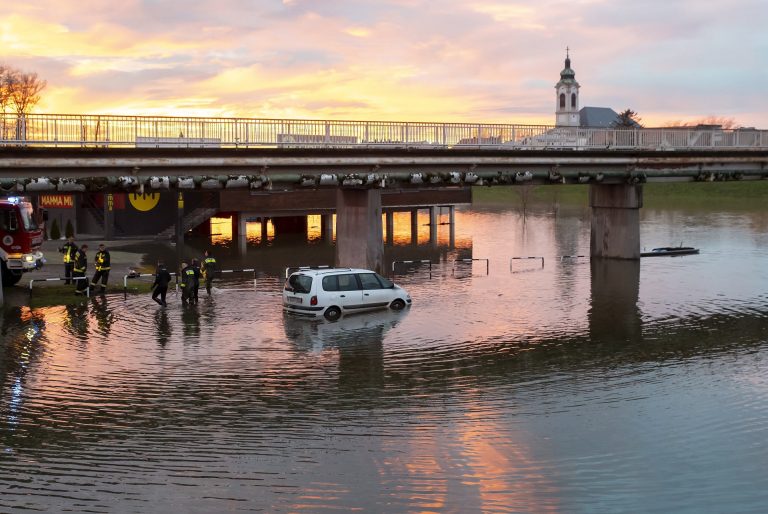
pixel 209 266
pixel 99 261
pixel 81 262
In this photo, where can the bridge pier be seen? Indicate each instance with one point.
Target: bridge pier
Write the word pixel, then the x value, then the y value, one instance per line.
pixel 390 222
pixel 358 229
pixel 414 226
pixel 615 228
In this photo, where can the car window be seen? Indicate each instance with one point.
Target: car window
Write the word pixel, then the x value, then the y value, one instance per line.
pixel 369 281
pixel 385 282
pixel 348 282
pixel 331 283
pixel 299 283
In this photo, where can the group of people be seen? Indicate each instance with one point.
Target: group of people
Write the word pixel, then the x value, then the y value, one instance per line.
pixel 76 266
pixel 191 274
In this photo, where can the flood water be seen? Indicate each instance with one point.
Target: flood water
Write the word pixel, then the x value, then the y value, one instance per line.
pixel 576 387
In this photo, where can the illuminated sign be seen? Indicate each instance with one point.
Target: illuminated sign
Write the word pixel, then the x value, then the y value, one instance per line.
pixel 144 202
pixel 57 201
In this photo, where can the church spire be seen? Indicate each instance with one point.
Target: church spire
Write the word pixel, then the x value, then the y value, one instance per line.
pixel 567 96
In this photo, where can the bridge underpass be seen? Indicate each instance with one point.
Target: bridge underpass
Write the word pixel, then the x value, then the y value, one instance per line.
pixel 358 176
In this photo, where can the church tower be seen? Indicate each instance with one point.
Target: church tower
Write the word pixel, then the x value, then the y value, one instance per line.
pixel 567 106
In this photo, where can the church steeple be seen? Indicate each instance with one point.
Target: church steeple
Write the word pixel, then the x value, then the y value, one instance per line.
pixel 567 96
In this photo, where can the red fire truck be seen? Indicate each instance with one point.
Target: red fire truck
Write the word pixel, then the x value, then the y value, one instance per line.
pixel 20 239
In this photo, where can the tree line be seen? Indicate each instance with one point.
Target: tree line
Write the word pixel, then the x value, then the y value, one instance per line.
pixel 19 90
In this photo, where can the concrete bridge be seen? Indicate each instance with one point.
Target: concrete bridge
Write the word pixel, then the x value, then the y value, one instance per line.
pixel 47 153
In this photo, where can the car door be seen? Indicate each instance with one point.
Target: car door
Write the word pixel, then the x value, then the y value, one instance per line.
pixel 374 294
pixel 343 290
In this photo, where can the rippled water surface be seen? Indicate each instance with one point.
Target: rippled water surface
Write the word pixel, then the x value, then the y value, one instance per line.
pixel 576 387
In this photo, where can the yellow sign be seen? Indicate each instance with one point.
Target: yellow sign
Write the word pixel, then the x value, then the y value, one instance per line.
pixel 57 201
pixel 110 203
pixel 144 202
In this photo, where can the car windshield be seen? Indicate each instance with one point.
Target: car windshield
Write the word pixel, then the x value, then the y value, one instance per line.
pixel 299 283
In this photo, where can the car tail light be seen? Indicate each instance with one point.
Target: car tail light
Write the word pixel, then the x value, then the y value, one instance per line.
pixel 313 300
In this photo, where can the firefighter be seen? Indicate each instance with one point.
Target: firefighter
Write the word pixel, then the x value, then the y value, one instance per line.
pixel 68 249
pixel 79 268
pixel 102 265
pixel 160 285
pixel 208 270
pixel 187 283
pixel 195 265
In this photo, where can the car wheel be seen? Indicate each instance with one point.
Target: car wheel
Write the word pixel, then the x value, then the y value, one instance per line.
pixel 332 313
pixel 397 305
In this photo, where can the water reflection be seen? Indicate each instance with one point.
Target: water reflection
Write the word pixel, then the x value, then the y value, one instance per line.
pixel 357 340
pixel 581 387
pixel 77 320
pixel 614 315
pixel 162 326
pixel 190 320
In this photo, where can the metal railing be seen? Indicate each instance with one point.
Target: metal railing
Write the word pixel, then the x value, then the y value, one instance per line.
pixel 69 130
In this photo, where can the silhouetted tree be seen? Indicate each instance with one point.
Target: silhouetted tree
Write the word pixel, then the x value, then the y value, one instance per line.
pixel 627 119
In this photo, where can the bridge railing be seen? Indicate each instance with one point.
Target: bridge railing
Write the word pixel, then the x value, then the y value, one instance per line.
pixel 174 132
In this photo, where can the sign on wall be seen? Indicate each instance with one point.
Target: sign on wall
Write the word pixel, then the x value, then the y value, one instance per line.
pixel 145 201
pixel 57 201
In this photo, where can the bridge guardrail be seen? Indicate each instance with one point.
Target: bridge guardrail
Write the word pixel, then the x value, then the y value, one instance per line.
pixel 187 132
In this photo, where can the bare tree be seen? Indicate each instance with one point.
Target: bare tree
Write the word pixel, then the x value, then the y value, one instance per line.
pixel 25 91
pixel 6 77
pixel 726 123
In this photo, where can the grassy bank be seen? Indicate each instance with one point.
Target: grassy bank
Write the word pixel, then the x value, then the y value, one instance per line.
pixel 746 194
pixel 48 295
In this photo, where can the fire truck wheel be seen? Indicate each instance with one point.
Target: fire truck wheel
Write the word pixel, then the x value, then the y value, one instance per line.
pixel 10 277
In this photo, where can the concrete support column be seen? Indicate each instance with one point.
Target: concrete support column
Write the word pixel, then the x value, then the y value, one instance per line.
pixel 615 232
pixel 452 215
pixel 358 229
pixel 242 232
pixel 390 221
pixel 414 226
pixel 180 218
pixel 264 229
pixel 433 216
pixel 326 227
pixel 109 216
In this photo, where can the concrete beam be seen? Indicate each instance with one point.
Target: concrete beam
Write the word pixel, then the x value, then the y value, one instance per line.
pixel 358 229
pixel 615 227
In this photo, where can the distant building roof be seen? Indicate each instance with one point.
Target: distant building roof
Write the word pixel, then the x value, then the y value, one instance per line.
pixel 599 117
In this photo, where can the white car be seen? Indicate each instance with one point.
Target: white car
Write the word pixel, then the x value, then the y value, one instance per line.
pixel 331 292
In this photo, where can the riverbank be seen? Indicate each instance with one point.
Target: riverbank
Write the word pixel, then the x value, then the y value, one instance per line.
pixel 125 256
pixel 737 195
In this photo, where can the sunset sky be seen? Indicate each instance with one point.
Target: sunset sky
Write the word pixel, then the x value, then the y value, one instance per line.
pixel 437 60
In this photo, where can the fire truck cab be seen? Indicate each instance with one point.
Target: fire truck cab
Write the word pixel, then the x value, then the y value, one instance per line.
pixel 20 239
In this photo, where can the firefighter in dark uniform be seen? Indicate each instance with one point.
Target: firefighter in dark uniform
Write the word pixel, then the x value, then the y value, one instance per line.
pixel 68 249
pixel 160 285
pixel 102 265
pixel 195 265
pixel 187 283
pixel 79 268
pixel 208 270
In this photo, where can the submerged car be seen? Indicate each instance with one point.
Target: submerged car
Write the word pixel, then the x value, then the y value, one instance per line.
pixel 331 292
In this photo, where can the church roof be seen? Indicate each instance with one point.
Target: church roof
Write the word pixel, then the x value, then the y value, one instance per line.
pixel 599 117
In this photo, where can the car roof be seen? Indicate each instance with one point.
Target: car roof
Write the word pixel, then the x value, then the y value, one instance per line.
pixel 328 271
